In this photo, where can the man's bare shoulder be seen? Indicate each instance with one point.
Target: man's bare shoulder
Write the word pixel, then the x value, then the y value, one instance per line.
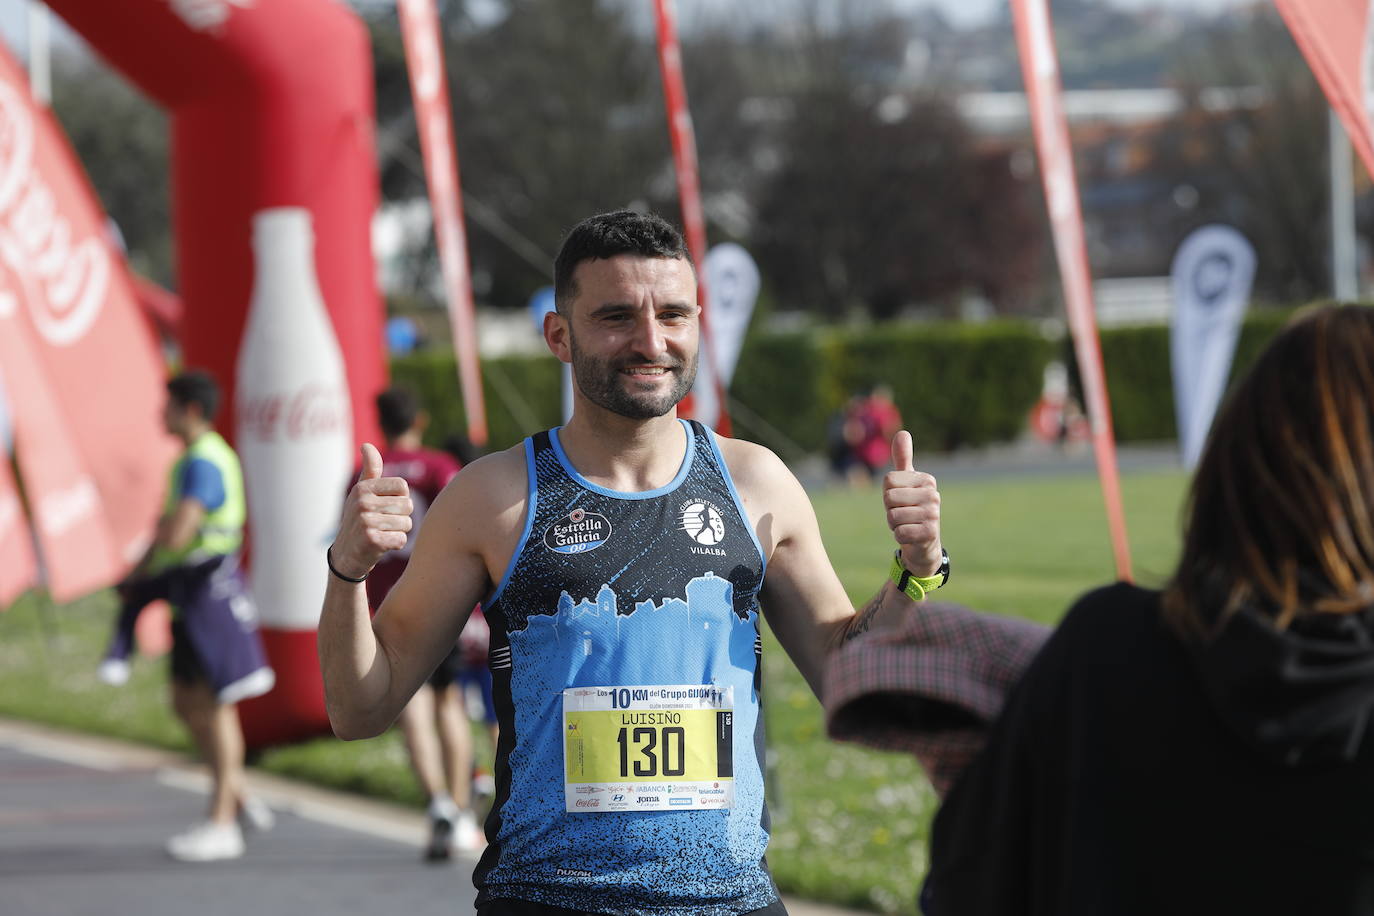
pixel 487 492
pixel 491 483
pixel 506 465
pixel 753 467
pixel 771 495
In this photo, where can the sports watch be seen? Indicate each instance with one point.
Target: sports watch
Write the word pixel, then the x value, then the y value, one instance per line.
pixel 916 587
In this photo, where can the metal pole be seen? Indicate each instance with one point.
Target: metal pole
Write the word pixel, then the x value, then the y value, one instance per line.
pixel 40 57
pixel 1344 269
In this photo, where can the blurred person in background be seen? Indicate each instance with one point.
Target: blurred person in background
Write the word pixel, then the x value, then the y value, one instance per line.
pixel 217 656
pixel 1205 748
pixel 435 723
pixel 843 433
pixel 878 420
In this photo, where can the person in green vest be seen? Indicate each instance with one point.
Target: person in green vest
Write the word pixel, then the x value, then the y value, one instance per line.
pixel 217 656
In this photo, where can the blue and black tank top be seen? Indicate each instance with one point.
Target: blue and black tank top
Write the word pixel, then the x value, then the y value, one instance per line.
pixel 625 654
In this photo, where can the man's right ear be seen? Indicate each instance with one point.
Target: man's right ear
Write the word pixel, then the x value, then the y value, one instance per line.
pixel 556 336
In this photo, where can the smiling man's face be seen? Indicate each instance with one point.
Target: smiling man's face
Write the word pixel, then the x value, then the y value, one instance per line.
pixel 632 333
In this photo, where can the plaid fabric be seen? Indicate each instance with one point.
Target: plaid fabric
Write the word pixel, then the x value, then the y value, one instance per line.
pixel 931 686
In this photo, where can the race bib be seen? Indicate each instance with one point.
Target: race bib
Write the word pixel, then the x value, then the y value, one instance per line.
pixel 648 748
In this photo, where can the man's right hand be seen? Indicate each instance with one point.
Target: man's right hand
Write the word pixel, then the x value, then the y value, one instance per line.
pixel 376 517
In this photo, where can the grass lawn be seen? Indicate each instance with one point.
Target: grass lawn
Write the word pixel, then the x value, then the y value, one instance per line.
pixel 849 825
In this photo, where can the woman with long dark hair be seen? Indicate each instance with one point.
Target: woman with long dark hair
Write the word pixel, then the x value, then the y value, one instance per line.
pixel 1205 748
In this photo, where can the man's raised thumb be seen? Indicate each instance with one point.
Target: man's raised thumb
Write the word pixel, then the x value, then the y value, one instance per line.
pixel 902 451
pixel 372 462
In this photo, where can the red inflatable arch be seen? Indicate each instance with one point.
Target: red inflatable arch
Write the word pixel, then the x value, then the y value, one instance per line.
pixel 274 184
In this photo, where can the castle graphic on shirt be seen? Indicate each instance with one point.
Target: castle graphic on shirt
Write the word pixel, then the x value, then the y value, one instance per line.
pixel 708 603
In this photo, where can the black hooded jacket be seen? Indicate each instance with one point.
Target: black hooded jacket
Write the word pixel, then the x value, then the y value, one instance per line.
pixel 1133 774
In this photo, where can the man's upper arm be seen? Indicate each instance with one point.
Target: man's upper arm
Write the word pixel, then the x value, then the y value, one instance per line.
pixel 202 481
pixel 475 520
pixel 802 597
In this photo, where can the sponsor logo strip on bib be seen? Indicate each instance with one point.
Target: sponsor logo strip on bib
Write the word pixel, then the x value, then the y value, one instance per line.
pixel 663 748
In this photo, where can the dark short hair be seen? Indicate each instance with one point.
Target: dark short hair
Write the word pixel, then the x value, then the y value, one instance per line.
pixel 1281 514
pixel 397 409
pixel 195 386
pixel 607 235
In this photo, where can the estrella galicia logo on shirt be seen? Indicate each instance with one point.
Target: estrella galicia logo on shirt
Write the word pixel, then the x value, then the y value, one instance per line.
pixel 577 532
pixel 704 523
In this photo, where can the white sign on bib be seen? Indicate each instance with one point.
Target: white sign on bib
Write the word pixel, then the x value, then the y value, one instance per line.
pixel 657 748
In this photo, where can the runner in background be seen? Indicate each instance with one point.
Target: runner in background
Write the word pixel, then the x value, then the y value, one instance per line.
pixel 217 657
pixel 435 722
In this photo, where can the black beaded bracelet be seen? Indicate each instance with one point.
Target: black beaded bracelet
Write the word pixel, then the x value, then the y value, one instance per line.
pixel 329 561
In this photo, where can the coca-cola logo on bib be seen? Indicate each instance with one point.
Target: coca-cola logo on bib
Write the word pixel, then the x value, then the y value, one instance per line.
pixel 71 275
pixel 314 410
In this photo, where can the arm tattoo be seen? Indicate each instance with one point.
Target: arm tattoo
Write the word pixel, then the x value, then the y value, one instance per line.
pixel 863 620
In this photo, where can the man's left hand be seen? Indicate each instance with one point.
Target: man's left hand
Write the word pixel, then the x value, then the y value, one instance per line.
pixel 913 509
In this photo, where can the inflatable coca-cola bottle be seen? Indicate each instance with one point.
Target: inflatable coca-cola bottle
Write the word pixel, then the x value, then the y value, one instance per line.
pixel 294 435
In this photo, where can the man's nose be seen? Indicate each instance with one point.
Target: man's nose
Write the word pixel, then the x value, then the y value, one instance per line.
pixel 649 338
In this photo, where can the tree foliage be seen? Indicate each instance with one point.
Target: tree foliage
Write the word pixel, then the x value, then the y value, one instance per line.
pixel 824 146
pixel 120 137
pixel 558 114
pixel 1263 167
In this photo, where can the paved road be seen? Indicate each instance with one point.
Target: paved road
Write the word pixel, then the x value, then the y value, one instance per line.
pixel 83 821
pixel 82 832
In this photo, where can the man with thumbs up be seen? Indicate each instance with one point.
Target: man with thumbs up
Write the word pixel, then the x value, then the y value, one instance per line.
pixel 623 561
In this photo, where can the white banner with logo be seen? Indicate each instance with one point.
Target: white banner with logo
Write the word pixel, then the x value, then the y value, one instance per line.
pixel 1212 273
pixel 732 279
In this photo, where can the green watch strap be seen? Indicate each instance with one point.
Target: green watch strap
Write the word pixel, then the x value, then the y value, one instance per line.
pixel 914 586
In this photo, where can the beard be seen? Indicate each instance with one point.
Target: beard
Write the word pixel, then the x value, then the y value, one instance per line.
pixel 604 385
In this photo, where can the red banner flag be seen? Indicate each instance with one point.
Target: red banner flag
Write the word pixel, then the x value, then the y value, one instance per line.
pixel 73 526
pixel 1040 69
pixel 425 60
pixel 1335 36
pixel 84 376
pixel 708 387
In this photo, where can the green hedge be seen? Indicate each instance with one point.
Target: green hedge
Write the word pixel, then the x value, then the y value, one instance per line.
pixel 523 395
pixel 956 385
pixel 780 379
pixel 1139 379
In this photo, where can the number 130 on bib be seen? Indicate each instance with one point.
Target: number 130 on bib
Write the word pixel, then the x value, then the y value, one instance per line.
pixel 648 748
